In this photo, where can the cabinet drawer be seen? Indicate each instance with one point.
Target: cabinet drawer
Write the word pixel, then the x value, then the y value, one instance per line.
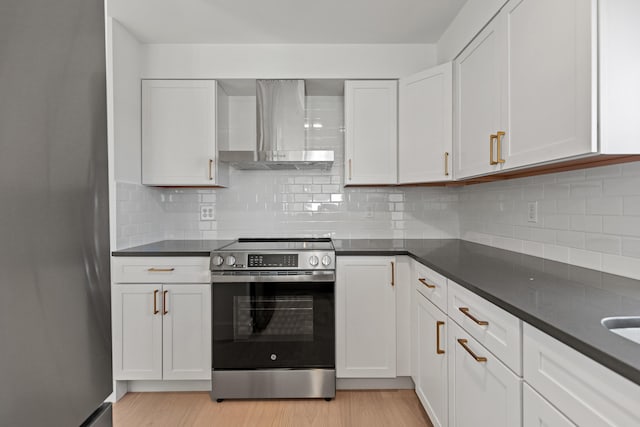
pixel 585 391
pixel 160 270
pixel 430 284
pixel 493 327
pixel 482 390
pixel 537 412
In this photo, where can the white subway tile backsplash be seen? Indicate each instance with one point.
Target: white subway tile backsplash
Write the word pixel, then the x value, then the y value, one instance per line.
pixel 622 186
pixel 605 206
pixel 631 205
pixel 585 216
pixel 621 225
pixel 631 247
pixel 603 243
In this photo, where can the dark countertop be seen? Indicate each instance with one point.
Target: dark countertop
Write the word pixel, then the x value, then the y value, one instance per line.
pixel 171 248
pixel 564 301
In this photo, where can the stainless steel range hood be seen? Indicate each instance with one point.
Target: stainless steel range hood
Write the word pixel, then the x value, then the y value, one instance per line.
pixel 281 141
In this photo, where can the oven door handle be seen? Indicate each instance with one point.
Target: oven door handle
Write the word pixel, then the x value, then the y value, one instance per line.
pixel 314 277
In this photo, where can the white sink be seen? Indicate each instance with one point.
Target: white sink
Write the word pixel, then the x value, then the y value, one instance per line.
pixel 625 326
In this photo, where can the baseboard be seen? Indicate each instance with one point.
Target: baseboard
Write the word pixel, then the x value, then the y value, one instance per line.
pixel 402 383
pixel 175 385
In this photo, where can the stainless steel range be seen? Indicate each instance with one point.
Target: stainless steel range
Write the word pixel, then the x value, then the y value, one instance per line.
pixel 273 319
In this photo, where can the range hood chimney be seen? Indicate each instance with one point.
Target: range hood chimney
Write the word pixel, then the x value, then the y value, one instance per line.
pixel 281 142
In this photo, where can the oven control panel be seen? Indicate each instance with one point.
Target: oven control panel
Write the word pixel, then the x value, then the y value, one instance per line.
pixel 310 260
pixel 272 260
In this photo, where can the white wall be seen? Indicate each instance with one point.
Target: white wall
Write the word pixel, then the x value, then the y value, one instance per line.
pixel 473 16
pixel 126 68
pixel 286 61
pixel 589 217
pixel 286 203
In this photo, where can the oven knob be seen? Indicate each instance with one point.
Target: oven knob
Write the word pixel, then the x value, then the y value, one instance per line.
pixel 326 260
pixel 274 356
pixel 313 260
pixel 231 260
pixel 217 260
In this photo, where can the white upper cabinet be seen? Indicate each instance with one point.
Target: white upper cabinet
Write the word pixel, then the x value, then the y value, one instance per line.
pixel 549 88
pixel 179 133
pixel 526 88
pixel 425 143
pixel 371 132
pixel 477 105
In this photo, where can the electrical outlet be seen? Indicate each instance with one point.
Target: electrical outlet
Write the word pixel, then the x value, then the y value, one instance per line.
pixel 532 213
pixel 207 213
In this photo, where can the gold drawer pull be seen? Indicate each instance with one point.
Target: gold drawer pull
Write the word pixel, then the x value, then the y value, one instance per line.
pixel 164 302
pixel 155 302
pixel 160 270
pixel 499 136
pixel 491 138
pixel 463 343
pixel 438 349
pixel 424 282
pixel 465 311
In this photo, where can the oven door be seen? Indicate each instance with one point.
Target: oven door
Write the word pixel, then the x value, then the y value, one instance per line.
pixel 273 322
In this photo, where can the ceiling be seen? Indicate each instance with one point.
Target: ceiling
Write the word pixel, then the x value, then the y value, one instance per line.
pixel 285 21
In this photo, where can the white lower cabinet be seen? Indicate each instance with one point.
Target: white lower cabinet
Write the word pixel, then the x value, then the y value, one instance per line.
pixel 137 332
pixel 482 390
pixel 366 317
pixel 431 353
pixel 537 412
pixel 161 331
pixel 586 392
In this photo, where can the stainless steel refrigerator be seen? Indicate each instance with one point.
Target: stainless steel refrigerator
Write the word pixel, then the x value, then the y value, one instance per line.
pixel 55 325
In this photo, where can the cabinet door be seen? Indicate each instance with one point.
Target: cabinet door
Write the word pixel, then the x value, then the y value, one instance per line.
pixel 187 332
pixel 431 378
pixel 549 106
pixel 137 332
pixel 537 412
pixel 588 393
pixel 371 132
pixel 481 392
pixel 365 317
pixel 178 132
pixel 478 94
pixel 426 115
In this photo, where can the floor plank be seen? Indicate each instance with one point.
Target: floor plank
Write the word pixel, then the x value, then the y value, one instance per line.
pixel 370 408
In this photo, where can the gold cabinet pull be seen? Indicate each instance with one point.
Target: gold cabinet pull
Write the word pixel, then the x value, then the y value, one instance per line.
pixel 438 349
pixel 155 302
pixel 464 345
pixel 393 273
pixel 160 270
pixel 210 168
pixel 427 284
pixel 446 164
pixel 499 136
pixel 349 169
pixel 465 311
pixel 491 138
pixel 164 303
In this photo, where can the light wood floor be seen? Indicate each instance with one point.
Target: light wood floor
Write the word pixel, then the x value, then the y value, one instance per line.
pixel 349 408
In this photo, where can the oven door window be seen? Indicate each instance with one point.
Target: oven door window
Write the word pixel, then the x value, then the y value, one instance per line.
pixel 273 318
pixel 273 325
